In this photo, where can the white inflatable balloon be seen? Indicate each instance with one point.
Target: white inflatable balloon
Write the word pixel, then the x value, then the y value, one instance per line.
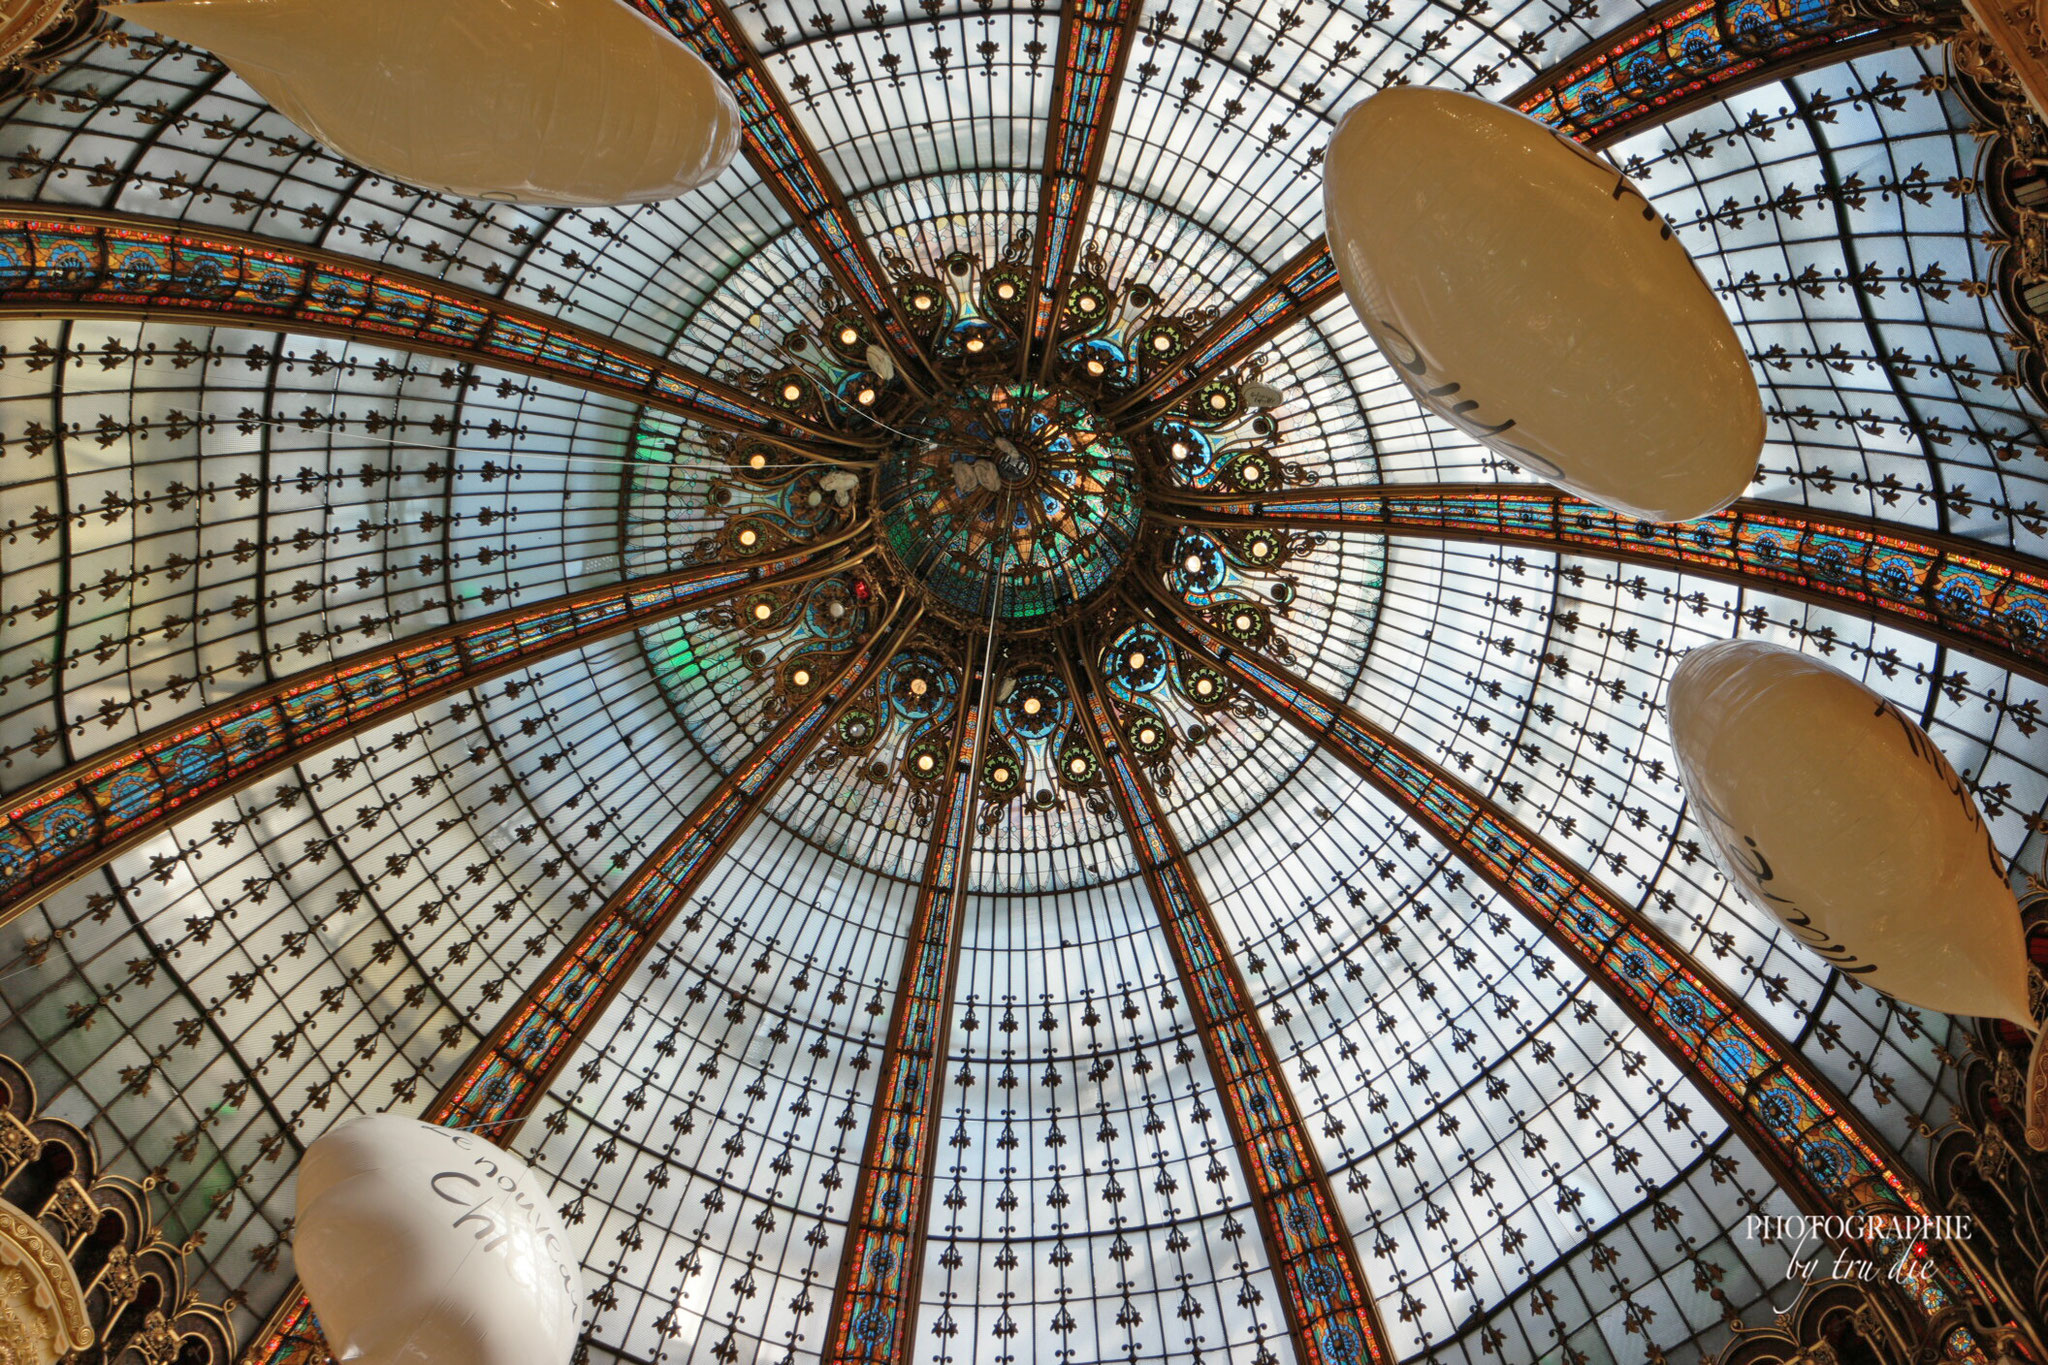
pixel 571 102
pixel 1528 295
pixel 422 1245
pixel 1832 810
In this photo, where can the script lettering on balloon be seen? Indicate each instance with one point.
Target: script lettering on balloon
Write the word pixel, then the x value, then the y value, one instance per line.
pixel 1622 185
pixel 486 1210
pixel 1929 753
pixel 1745 863
pixel 1457 414
pixel 479 1212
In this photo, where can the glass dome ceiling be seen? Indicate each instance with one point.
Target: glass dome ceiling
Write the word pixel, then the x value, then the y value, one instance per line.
pixel 212 495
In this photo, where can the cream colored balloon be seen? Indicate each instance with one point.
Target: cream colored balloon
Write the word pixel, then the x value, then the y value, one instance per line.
pixel 422 1245
pixel 571 102
pixel 1528 295
pixel 1832 810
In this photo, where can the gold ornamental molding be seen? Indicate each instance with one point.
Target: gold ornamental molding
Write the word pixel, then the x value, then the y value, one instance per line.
pixel 42 1308
pixel 23 24
pixel 2017 32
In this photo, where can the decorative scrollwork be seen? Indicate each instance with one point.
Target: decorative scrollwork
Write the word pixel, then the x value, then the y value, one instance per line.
pixel 1833 1322
pixel 35 37
pixel 2013 186
pixel 79 1245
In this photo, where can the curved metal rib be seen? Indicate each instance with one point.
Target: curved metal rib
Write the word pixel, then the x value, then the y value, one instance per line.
pixel 1328 1303
pixel 1660 64
pixel 513 1068
pixel 74 821
pixel 533 1042
pixel 782 154
pixel 875 1298
pixel 74 263
pixel 1969 596
pixel 1094 46
pixel 1820 1151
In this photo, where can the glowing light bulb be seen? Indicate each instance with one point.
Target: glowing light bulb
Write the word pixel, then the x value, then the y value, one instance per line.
pixel 748 537
pixel 1006 290
pixel 792 392
pixel 1162 343
pixel 757 461
pixel 802 677
pixel 848 335
pixel 762 611
pixel 1096 367
pixel 918 687
pixel 1242 621
pixel 1180 450
pixel 1218 401
pixel 1193 563
pixel 866 397
pixel 976 345
pixel 1000 775
pixel 924 763
pixel 1260 548
pixel 1077 766
pixel 1147 735
pixel 1032 706
pixel 1137 659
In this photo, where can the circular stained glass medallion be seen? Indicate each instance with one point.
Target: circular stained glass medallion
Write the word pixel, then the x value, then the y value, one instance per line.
pixel 1009 500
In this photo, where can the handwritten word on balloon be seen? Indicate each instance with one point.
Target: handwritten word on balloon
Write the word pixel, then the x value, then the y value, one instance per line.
pixel 1744 861
pixel 1458 413
pixel 505 1218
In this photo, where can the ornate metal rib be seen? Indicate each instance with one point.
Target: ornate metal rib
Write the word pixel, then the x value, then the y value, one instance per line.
pixel 74 821
pixel 1329 1307
pixel 875 1299
pixel 1290 294
pixel 782 154
pixel 505 1077
pixel 1094 46
pixel 1662 63
pixel 1969 596
pixel 531 1044
pixel 1815 1145
pixel 73 263
pixel 1686 53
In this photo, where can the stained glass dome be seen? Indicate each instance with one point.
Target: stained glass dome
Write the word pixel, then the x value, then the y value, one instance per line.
pixel 1213 886
pixel 1041 537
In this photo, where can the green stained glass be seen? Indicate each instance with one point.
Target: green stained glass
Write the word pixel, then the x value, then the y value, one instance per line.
pixel 1010 500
